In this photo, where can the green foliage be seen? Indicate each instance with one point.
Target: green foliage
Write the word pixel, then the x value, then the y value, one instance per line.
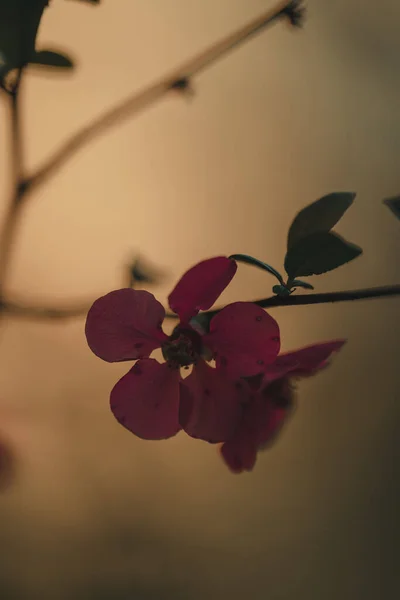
pixel 49 58
pixel 303 284
pixel 318 253
pixel 281 290
pixel 250 260
pixel 19 24
pixel 312 248
pixel 320 216
pixel 394 205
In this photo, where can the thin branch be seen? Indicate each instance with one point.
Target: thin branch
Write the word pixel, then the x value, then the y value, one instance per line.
pixel 23 310
pixel 17 191
pixel 328 297
pixel 324 298
pixel 44 313
pixel 177 80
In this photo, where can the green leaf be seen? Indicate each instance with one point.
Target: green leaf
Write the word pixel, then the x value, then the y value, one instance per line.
pixel 281 290
pixel 319 253
pixel 394 205
pixel 302 284
pixel 49 58
pixel 250 260
pixel 19 24
pixel 320 216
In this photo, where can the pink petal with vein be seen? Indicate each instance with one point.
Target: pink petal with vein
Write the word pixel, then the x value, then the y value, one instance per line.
pixel 244 339
pixel 211 405
pixel 146 400
pixel 200 286
pixel 239 455
pixel 263 418
pixel 125 325
pixel 305 361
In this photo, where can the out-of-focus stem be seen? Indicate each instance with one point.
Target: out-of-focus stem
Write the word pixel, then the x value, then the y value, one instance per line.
pixel 177 80
pixel 21 309
pixel 10 221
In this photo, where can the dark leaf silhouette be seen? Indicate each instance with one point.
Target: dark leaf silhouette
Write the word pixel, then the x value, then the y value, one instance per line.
pixel 320 216
pixel 302 284
pixel 250 260
pixel 318 253
pixel 281 290
pixel 49 58
pixel 394 205
pixel 19 24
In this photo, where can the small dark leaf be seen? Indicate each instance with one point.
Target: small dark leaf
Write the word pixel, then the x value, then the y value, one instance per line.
pixel 302 284
pixel 250 260
pixel 321 215
pixel 319 253
pixel 394 205
pixel 281 290
pixel 49 58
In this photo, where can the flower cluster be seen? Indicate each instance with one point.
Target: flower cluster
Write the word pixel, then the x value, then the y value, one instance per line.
pixel 240 402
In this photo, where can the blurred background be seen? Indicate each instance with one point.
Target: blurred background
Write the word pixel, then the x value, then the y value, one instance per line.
pixel 94 513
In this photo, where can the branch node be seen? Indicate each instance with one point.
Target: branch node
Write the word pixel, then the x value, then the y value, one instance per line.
pixel 295 13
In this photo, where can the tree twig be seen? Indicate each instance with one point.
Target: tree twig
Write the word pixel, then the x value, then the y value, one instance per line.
pixel 21 309
pixel 178 79
pixel 17 183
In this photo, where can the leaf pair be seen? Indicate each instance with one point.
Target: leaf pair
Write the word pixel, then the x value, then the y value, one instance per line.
pixel 312 248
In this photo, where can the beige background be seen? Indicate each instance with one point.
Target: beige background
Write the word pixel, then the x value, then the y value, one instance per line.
pixel 95 513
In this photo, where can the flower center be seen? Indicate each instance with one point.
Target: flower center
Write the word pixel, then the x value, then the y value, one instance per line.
pixel 182 348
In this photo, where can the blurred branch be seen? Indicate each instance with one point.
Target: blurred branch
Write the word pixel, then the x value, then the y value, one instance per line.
pixel 25 310
pixel 42 312
pixel 17 182
pixel 178 80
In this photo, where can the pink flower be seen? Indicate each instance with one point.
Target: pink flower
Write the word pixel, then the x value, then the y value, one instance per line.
pixel 152 400
pixel 269 402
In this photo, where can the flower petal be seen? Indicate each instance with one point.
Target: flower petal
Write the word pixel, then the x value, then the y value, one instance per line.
pixel 239 455
pixel 146 400
pixel 277 403
pixel 263 419
pixel 200 286
pixel 244 339
pixel 211 405
pixel 305 361
pixel 125 325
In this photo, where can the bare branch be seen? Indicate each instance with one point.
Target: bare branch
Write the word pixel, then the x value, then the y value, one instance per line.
pixel 22 309
pixel 179 79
